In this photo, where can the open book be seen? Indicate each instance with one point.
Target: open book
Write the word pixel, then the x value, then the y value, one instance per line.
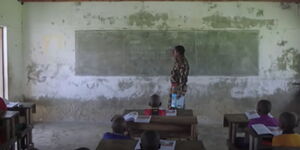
pixel 142 119
pixel 134 116
pixel 12 104
pixel 261 129
pixel 251 114
pixel 165 145
pixel 171 112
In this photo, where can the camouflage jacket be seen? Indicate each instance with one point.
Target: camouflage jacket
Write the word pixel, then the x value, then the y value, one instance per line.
pixel 179 76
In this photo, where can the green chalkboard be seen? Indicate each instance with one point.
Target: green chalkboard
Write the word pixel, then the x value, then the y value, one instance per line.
pixel 140 52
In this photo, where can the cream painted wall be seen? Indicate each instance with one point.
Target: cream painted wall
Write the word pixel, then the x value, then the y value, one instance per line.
pixel 49 57
pixel 10 16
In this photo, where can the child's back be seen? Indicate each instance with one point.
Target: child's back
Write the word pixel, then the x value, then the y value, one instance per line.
pixel 263 109
pixel 119 128
pixel 288 121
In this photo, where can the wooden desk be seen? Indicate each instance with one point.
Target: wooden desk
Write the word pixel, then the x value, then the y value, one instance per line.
pixel 26 110
pixel 9 118
pixel 234 121
pixel 180 112
pixel 183 126
pixel 130 145
pixel 255 139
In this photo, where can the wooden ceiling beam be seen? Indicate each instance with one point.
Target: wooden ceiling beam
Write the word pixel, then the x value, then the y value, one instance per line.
pixel 160 0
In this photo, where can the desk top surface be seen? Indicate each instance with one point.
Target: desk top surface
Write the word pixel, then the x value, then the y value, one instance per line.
pixel 130 145
pixel 235 118
pixel 24 105
pixel 8 114
pixel 186 112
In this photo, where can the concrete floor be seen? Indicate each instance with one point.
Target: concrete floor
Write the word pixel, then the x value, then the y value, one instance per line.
pixel 71 135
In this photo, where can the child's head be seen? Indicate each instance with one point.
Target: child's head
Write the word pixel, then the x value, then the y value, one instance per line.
pixel 155 101
pixel 288 121
pixel 264 107
pixel 119 125
pixel 150 140
pixel 82 148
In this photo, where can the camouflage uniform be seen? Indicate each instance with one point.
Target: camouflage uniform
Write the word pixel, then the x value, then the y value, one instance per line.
pixel 179 77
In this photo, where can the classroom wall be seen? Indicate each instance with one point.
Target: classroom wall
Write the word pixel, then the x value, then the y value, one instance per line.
pixel 10 16
pixel 49 57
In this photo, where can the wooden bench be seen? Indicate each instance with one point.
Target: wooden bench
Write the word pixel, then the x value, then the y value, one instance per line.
pixel 130 145
pixel 182 126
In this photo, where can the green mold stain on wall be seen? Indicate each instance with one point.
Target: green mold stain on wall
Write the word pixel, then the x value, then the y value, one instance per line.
pixel 259 13
pixel 289 59
pixel 147 19
pixel 218 21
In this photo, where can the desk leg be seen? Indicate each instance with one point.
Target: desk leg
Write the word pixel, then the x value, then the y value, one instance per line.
pixel 233 132
pixel 230 132
pixel 250 142
pixel 8 131
pixel 194 132
pixel 13 131
pixel 255 143
pixel 13 126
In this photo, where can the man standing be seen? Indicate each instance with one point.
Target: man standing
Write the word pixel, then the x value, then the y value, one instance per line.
pixel 179 77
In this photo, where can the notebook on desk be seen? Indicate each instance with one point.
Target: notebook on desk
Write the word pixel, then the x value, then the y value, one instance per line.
pixel 261 129
pixel 165 145
pixel 12 104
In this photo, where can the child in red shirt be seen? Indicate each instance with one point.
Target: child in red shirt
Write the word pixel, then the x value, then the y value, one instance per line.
pixel 155 103
pixel 3 108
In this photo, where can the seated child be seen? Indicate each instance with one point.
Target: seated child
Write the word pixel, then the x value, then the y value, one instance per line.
pixel 150 140
pixel 263 109
pixel 287 122
pixel 3 108
pixel 2 105
pixel 155 103
pixel 119 128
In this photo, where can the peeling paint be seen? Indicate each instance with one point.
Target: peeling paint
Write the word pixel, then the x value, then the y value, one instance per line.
pixel 260 13
pixel 212 6
pixel 35 73
pixel 217 21
pixel 290 59
pixel 147 19
pixel 282 43
pixel 123 85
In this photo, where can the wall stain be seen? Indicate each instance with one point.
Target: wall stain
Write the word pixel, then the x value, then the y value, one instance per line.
pixel 282 43
pixel 289 59
pixel 212 6
pixel 218 21
pixel 101 19
pixel 251 10
pixel 260 13
pixel 34 73
pixel 123 85
pixel 56 72
pixel 144 18
pixel 111 20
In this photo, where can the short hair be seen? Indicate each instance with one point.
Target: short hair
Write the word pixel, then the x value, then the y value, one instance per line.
pixel 150 140
pixel 82 148
pixel 180 49
pixel 264 107
pixel 118 124
pixel 288 120
pixel 155 101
